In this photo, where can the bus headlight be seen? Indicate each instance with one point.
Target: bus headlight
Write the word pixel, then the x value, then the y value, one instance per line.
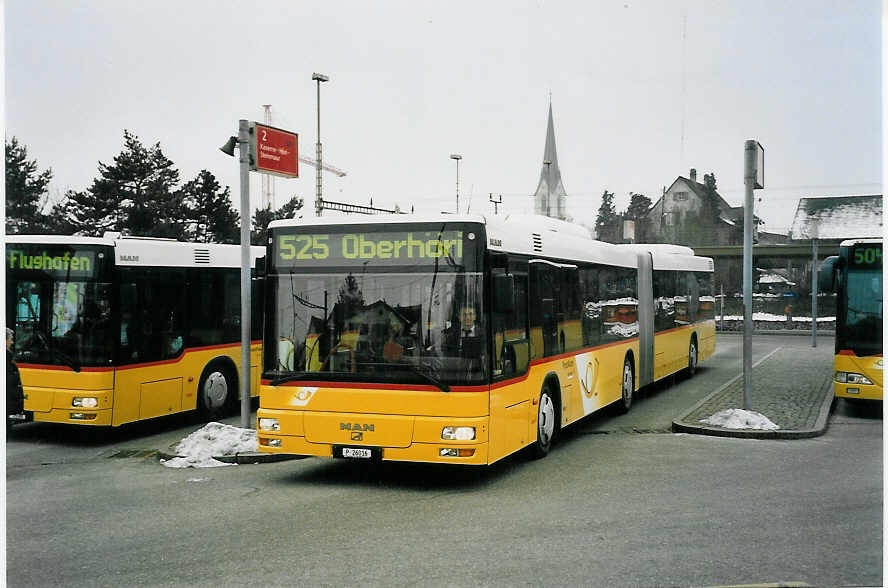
pixel 458 433
pixel 852 378
pixel 269 425
pixel 84 402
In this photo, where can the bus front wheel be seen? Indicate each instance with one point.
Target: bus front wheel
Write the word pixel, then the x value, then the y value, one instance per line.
pixel 692 357
pixel 215 391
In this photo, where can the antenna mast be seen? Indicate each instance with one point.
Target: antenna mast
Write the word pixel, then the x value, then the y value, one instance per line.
pixel 268 179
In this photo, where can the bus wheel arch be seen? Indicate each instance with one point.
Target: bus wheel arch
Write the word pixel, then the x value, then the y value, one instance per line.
pixel 548 416
pixel 217 387
pixel 627 383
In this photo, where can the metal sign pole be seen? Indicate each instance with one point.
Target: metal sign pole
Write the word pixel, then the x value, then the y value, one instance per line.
pixel 243 143
pixel 749 181
pixel 814 294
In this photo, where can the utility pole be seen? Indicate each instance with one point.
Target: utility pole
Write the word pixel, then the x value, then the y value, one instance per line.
pixel 496 202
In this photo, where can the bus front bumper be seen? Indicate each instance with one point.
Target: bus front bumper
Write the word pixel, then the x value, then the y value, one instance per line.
pixel 861 391
pixel 425 442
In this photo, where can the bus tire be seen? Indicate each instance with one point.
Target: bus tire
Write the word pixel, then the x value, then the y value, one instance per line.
pixel 547 419
pixel 216 391
pixel 627 386
pixel 693 356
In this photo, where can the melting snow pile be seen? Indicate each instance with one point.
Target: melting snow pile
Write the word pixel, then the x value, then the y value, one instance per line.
pixel 197 449
pixel 737 418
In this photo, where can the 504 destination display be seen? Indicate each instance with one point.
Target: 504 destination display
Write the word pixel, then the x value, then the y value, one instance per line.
pixel 867 255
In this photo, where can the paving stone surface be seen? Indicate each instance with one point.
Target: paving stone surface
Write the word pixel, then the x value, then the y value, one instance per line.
pixel 790 387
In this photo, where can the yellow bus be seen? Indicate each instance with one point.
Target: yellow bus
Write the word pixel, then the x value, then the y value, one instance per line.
pixel 116 329
pixel 463 339
pixel 856 277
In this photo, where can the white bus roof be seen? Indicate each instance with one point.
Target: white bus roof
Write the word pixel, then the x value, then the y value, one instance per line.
pixel 535 235
pixel 152 252
pixel 852 242
pixel 673 257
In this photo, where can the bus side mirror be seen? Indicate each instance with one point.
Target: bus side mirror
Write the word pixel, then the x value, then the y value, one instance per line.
pixel 503 293
pixel 826 277
pixel 259 267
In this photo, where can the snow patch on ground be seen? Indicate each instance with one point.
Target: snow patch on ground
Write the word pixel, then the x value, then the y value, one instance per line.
pixel 198 449
pixel 737 418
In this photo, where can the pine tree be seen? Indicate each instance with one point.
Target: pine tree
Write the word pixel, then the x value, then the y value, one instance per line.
pixel 26 190
pixel 263 216
pixel 135 194
pixel 637 211
pixel 607 223
pixel 210 217
pixel 710 213
pixel 259 223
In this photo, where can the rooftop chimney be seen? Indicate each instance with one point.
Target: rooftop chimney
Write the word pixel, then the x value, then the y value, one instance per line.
pixel 693 175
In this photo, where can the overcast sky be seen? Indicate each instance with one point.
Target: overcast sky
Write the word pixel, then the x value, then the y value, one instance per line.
pixel 641 91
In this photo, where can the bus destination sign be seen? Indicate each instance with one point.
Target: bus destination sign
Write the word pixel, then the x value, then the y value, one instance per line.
pixel 274 151
pixel 59 263
pixel 867 255
pixel 390 247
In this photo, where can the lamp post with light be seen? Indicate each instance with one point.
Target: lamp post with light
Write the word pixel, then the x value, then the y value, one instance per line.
pixel 457 157
pixel 318 198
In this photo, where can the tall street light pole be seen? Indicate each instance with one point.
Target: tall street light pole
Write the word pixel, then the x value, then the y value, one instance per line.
pixel 318 197
pixel 548 163
pixel 457 157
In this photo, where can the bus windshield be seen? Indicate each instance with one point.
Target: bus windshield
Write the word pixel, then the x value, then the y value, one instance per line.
pixel 59 305
pixel 391 327
pixel 377 303
pixel 863 313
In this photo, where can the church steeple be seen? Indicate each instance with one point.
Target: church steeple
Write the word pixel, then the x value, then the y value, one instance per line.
pixel 550 199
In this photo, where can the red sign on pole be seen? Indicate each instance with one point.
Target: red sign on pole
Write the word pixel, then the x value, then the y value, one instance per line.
pixel 274 151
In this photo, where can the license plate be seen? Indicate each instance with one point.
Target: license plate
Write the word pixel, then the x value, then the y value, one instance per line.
pixel 357 452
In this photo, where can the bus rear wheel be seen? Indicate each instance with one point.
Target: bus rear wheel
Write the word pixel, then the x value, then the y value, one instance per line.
pixel 627 385
pixel 692 357
pixel 546 419
pixel 216 391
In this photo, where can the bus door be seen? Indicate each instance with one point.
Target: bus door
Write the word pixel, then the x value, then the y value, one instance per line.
pixel 150 379
pixel 545 291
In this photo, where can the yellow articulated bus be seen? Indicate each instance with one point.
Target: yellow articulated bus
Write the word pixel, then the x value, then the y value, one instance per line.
pixel 462 339
pixel 856 277
pixel 116 329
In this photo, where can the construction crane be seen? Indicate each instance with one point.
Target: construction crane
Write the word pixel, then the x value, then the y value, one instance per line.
pixel 324 166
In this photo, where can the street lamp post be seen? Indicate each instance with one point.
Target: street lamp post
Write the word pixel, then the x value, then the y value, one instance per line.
pixel 318 198
pixel 457 157
pixel 548 163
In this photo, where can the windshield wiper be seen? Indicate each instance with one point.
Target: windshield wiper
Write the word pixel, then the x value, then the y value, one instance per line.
pixel 422 374
pixel 65 359
pixel 294 377
pixel 55 353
